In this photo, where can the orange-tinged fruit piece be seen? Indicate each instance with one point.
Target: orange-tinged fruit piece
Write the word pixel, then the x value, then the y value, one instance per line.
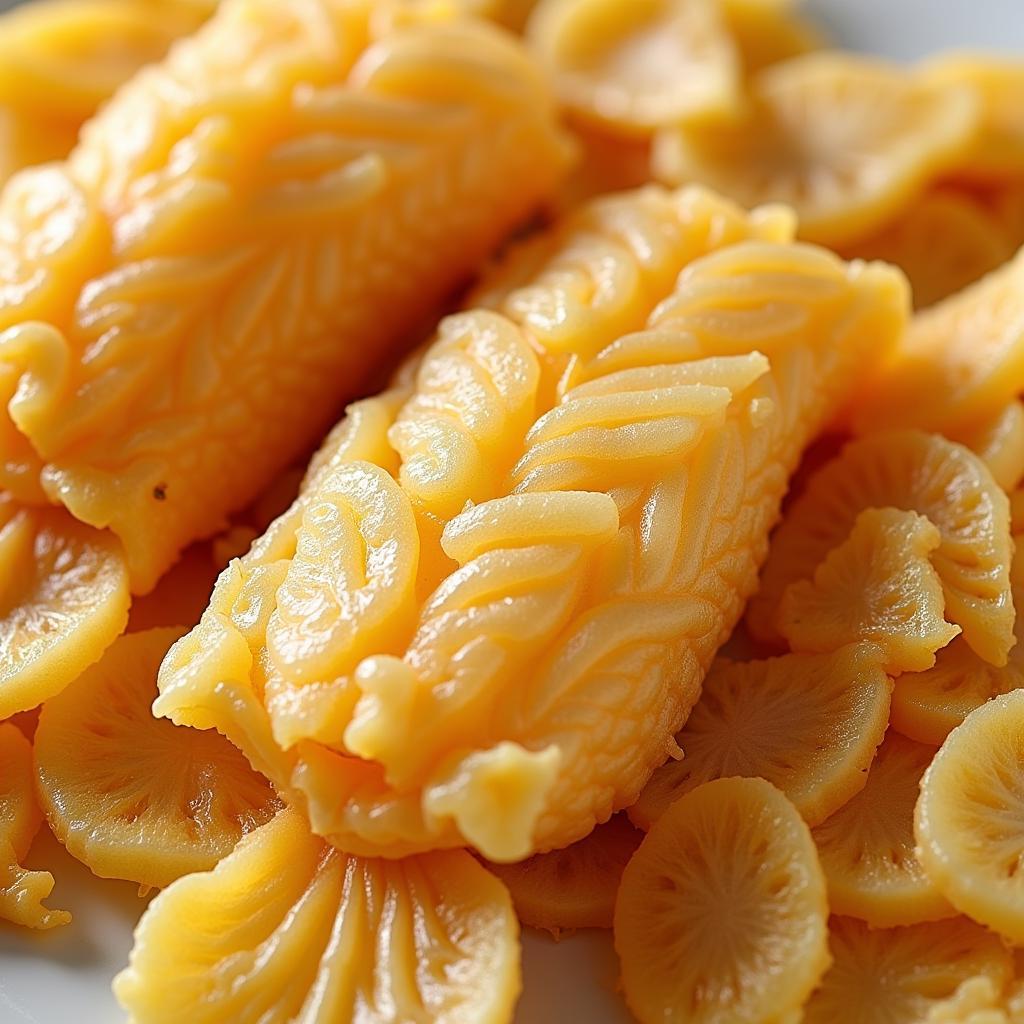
pixel 809 724
pixel 915 472
pixel 182 594
pixel 573 887
pixel 895 975
pixel 878 586
pixel 63 601
pixel 721 916
pixel 21 892
pixel 638 66
pixel 867 846
pixel 999 441
pixel 969 820
pixel 286 928
pixel 977 1001
pixel 133 796
pixel 847 141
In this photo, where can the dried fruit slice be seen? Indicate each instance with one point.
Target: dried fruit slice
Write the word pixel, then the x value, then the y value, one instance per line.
pixel 809 724
pixel 21 892
pixel 574 887
pixel 999 442
pixel 285 929
pixel 63 600
pixel 133 796
pixel 878 586
pixel 916 472
pixel 867 846
pixel 846 141
pixel 721 915
pixel 641 65
pixel 977 1001
pixel 895 975
pixel 766 33
pixel 969 820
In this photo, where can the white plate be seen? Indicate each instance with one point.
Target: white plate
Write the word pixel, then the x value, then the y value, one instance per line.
pixel 64 976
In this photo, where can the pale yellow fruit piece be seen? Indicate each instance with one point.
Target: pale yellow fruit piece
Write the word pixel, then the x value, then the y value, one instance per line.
pixel 721 917
pixel 639 66
pixel 809 724
pixel 287 929
pixel 878 586
pixel 999 440
pixel 63 601
pixel 968 820
pixel 977 1001
pixel 896 975
pixel 133 796
pixel 574 887
pixel 845 140
pixel 867 846
pixel 765 32
pixel 201 321
pixel 21 892
pixel 915 472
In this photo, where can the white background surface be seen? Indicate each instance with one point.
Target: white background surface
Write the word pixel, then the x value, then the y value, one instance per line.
pixel 63 977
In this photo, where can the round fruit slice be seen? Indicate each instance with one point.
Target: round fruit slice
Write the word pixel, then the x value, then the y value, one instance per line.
pixel 867 846
pixel 809 724
pixel 878 586
pixel 969 820
pixel 574 887
pixel 63 601
pixel 21 892
pixel 133 796
pixel 916 472
pixel 846 141
pixel 641 65
pixel 999 441
pixel 288 929
pixel 895 975
pixel 721 915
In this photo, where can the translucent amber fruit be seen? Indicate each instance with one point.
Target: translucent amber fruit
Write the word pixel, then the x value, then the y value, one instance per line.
pixel 641 65
pixel 133 796
pixel 846 141
pixel 181 596
pixel 287 929
pixel 574 887
pixel 809 724
pixel 63 601
pixel 999 441
pixel 21 892
pixel 721 916
pixel 879 586
pixel 867 846
pixel 765 32
pixel 969 821
pixel 916 472
pixel 895 975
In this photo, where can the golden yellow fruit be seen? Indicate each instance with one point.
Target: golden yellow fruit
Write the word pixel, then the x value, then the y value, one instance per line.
pixel 977 1001
pixel 998 440
pixel 765 32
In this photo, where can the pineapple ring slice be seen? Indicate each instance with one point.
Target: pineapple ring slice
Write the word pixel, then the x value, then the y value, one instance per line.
pixel 845 140
pixel 999 441
pixel 867 846
pixel 133 796
pixel 574 887
pixel 877 586
pixel 809 724
pixel 969 819
pixel 721 915
pixel 63 601
pixel 917 472
pixel 639 66
pixel 895 975
pixel 21 892
pixel 286 928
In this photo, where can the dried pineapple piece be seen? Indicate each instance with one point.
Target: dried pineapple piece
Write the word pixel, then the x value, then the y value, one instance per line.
pixel 21 892
pixel 133 796
pixel 917 472
pixel 63 601
pixel 999 441
pixel 809 724
pixel 205 331
pixel 896 975
pixel 765 32
pixel 286 928
pixel 877 586
pixel 867 846
pixel 721 917
pixel 968 817
pixel 845 140
pixel 977 1001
